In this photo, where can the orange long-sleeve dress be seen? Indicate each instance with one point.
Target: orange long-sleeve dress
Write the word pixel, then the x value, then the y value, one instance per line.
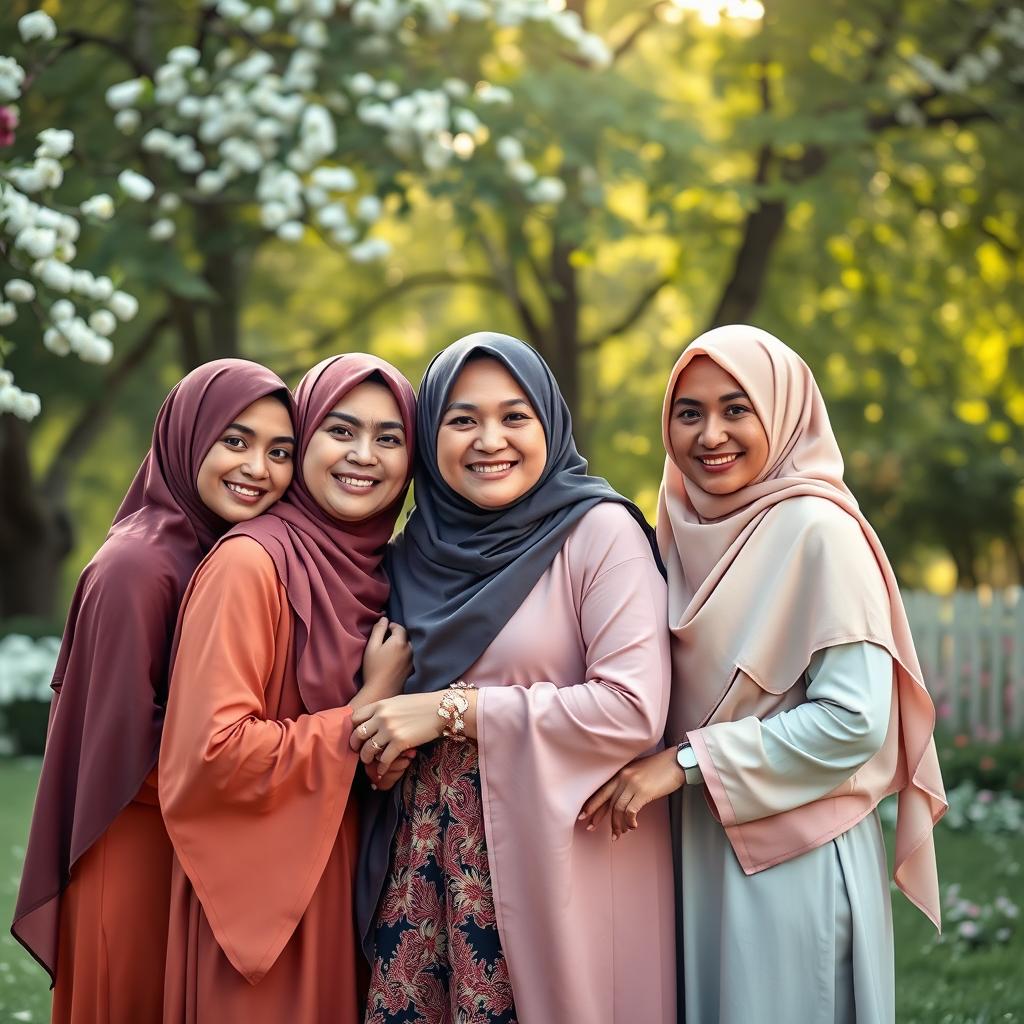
pixel 255 796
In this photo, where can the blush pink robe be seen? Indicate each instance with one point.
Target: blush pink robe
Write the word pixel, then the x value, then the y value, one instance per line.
pixel 575 686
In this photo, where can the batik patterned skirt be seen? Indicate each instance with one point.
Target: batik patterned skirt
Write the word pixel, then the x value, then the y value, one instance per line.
pixel 438 954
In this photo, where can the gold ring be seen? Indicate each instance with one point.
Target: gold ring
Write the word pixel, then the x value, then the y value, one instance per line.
pixel 375 744
pixel 362 730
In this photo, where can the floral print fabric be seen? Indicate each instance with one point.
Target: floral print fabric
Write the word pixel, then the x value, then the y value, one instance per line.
pixel 438 955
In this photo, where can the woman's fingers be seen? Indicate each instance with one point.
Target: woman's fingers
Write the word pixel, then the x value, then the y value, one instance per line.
pixel 363 714
pixel 597 802
pixel 389 754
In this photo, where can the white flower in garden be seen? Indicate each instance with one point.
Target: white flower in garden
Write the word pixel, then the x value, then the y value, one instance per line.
pixel 548 190
pixel 37 25
pixel 50 172
pixel 456 88
pixel 496 94
pixel 509 149
pixel 273 215
pixel 362 84
pixel 8 313
pixel 127 121
pixel 317 135
pixel 96 350
pixel 467 121
pixel 313 35
pixel 291 231
pixel 370 249
pixel 28 179
pixel 102 288
pixel 55 342
pixel 55 143
pixel 593 49
pixel 369 209
pixel 62 310
pixel 162 230
pixel 183 56
pixel 169 203
pixel 37 242
pixel 18 290
pixel 136 186
pixel 56 275
pixel 388 91
pixel 102 321
pixel 100 206
pixel 332 217
pixel 157 140
pixel 258 21
pixel 12 75
pixel 22 404
pixel 123 306
pixel 334 179
pixel 522 172
pixel 125 94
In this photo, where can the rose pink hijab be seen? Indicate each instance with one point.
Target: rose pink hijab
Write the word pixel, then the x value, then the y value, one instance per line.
pixel 762 578
pixel 111 676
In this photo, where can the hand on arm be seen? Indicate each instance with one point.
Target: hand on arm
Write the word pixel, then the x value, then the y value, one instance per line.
pixel 384 730
pixel 387 662
pixel 631 789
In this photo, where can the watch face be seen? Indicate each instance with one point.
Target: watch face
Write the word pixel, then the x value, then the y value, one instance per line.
pixel 686 757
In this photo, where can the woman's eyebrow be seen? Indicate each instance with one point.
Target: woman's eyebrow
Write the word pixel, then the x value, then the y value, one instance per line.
pixel 243 429
pixel 731 397
pixel 355 421
pixel 470 407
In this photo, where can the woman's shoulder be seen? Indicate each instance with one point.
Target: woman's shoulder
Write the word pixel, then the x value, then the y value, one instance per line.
pixel 812 516
pixel 606 536
pixel 238 555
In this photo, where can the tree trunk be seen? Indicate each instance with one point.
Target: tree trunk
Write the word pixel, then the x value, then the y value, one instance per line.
pixel 221 271
pixel 35 535
pixel 563 353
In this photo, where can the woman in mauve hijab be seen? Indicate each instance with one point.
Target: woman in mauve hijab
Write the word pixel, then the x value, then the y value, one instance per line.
pixel 536 612
pixel 92 907
pixel 280 639
pixel 797 704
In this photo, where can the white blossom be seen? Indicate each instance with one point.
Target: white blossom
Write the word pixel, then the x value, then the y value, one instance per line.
pixel 55 143
pixel 370 249
pixel 125 94
pixel 62 309
pixel 258 21
pixel 22 404
pixel 123 306
pixel 521 171
pixel 509 149
pixel 548 190
pixel 102 288
pixel 291 231
pixel 8 313
pixel 127 121
pixel 210 182
pixel 162 230
pixel 37 242
pixel 55 342
pixel 102 321
pixel 334 179
pixel 100 206
pixel 184 56
pixel 18 290
pixel 136 186
pixel 56 275
pixel 12 75
pixel 369 209
pixel 37 25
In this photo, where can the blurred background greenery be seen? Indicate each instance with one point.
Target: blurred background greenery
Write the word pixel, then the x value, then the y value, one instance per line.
pixel 842 174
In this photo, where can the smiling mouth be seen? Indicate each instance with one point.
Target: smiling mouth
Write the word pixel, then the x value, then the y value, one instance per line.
pixel 490 468
pixel 355 483
pixel 718 461
pixel 244 491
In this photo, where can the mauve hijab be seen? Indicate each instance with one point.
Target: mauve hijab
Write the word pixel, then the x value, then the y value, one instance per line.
pixel 111 674
pixel 332 571
pixel 762 578
pixel 458 571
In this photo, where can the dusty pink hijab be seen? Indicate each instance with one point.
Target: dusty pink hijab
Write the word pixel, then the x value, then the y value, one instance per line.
pixel 762 578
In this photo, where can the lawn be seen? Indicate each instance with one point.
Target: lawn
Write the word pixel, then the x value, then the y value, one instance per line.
pixel 936 984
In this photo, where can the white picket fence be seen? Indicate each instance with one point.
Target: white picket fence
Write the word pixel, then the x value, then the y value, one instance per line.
pixel 971 647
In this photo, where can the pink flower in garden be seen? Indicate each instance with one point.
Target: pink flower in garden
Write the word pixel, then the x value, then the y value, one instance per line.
pixel 8 122
pixel 972 910
pixel 944 710
pixel 968 930
pixel 985 796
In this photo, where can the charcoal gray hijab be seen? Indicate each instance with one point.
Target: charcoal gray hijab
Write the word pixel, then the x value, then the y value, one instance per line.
pixel 459 572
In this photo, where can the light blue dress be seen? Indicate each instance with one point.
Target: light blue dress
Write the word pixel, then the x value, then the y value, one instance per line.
pixel 808 941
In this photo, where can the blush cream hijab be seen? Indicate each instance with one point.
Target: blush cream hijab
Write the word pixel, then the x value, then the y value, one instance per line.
pixel 762 578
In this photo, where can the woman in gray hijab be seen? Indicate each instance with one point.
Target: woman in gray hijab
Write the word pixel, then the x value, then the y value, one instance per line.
pixel 536 611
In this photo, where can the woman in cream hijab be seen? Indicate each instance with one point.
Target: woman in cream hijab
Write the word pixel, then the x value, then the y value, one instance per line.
pixel 798 703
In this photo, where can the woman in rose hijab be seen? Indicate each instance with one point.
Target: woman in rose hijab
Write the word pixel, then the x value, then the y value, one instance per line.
pixel 256 771
pixel 535 609
pixel 92 907
pixel 797 704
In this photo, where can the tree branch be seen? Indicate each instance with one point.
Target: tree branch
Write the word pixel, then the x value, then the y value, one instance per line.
pixel 85 428
pixel 647 18
pixel 76 38
pixel 505 275
pixel 630 317
pixel 427 279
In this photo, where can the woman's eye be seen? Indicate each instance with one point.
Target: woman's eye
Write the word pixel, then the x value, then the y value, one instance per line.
pixel 340 432
pixel 234 442
pixel 459 421
pixel 737 410
pixel 517 417
pixel 688 415
pixel 281 453
pixel 389 439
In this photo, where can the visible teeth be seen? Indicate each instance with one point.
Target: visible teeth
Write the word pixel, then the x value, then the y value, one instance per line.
pixel 718 460
pixel 497 467
pixel 355 482
pixel 247 491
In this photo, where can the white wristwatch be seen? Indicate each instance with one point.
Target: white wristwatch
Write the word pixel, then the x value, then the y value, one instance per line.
pixel 687 760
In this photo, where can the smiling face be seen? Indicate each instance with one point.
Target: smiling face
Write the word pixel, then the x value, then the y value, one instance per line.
pixel 357 462
pixel 491 447
pixel 251 464
pixel 718 441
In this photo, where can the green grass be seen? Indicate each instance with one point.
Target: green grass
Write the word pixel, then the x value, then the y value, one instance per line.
pixel 934 984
